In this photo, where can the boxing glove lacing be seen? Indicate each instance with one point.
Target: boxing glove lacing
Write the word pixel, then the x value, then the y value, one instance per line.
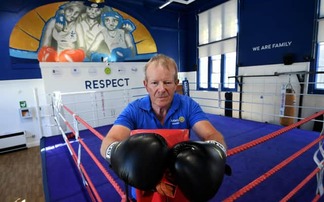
pixel 108 151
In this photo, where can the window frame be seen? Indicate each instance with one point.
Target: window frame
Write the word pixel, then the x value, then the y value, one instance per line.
pixel 314 64
pixel 208 47
pixel 222 73
pixel 314 69
pixel 319 39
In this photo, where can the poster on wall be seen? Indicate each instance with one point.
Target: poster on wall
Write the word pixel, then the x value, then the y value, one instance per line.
pixel 80 31
pixel 276 32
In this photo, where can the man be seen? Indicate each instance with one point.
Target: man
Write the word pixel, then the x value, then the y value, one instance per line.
pixel 161 109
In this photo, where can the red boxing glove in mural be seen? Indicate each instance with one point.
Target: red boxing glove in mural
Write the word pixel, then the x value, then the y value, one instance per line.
pixel 47 54
pixel 71 55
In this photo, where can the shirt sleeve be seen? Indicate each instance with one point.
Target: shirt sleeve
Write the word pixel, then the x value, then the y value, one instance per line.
pixel 127 117
pixel 195 113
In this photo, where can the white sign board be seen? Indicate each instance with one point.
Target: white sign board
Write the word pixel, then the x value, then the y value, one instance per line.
pixel 88 76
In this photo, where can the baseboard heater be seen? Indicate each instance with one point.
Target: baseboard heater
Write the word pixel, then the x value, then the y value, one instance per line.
pixel 13 141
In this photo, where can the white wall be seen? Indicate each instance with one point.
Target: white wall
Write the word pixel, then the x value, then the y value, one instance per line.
pixel 12 92
pixel 261 98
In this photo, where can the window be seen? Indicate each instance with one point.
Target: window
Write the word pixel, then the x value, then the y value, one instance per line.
pixel 216 63
pixel 318 77
pixel 217 47
pixel 203 69
pixel 230 70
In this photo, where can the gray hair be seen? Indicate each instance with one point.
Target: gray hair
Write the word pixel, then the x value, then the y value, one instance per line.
pixel 165 61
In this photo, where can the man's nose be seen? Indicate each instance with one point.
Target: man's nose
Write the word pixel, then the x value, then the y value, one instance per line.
pixel 161 86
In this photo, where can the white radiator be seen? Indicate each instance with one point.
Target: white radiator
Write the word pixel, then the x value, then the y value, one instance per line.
pixel 12 142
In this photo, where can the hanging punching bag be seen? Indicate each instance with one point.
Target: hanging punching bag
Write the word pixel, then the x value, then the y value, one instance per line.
pixel 288 105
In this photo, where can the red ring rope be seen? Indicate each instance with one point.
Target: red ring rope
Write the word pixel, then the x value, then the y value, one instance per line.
pixel 93 189
pixel 97 162
pixel 260 140
pixel 94 158
pixel 266 175
pixel 316 198
pixel 94 131
pixel 269 173
pixel 300 185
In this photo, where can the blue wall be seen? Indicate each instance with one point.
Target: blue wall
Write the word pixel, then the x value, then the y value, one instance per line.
pixel 273 29
pixel 265 22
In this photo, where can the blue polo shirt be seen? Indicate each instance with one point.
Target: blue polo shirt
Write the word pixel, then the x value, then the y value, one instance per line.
pixel 183 114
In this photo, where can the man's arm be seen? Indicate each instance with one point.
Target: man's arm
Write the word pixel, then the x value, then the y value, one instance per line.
pixel 206 131
pixel 116 133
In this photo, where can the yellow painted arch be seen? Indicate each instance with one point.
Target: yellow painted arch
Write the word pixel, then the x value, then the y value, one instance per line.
pixel 27 33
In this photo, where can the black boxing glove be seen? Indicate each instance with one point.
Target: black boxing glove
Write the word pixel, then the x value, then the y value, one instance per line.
pixel 139 160
pixel 198 168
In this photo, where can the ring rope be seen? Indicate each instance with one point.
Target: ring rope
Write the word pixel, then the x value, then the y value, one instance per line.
pixel 118 189
pixel 63 134
pixel 316 198
pixel 95 132
pixel 269 173
pixel 103 170
pixel 91 185
pixel 300 185
pixel 319 176
pixel 94 158
pixel 263 139
pixel 93 194
pixel 96 196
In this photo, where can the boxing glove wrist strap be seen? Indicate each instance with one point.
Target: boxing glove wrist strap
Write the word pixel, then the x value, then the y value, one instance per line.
pixel 108 151
pixel 222 147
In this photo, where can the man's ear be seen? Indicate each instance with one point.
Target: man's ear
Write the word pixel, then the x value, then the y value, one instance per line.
pixel 177 81
pixel 145 83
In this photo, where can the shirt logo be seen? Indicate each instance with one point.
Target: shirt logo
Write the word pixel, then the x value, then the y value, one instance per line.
pixel 181 119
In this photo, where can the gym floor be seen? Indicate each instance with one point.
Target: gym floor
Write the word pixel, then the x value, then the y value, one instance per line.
pixel 21 176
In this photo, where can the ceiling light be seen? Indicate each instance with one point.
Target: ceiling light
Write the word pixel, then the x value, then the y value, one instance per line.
pixel 178 1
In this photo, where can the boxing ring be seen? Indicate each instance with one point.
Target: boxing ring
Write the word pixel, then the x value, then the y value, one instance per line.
pixel 269 162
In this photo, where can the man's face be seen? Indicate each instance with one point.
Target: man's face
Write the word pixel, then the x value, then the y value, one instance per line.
pixel 160 85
